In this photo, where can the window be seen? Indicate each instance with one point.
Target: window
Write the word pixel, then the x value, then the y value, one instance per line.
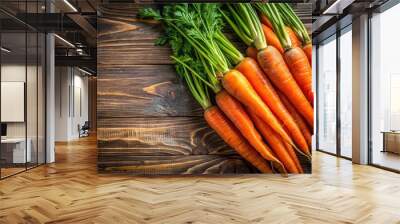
pixel 22 78
pixel 327 95
pixel 346 75
pixel 385 89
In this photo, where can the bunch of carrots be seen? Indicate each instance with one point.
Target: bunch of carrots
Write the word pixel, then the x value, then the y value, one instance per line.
pixel 264 106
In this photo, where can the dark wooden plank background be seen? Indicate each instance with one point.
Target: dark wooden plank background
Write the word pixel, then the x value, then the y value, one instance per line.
pixel 148 123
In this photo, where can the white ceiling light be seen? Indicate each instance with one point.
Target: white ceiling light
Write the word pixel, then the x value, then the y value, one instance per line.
pixel 70 5
pixel 65 41
pixel 5 50
pixel 337 7
pixel 84 71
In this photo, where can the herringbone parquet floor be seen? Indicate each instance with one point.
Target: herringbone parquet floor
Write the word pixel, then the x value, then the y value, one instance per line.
pixel 71 191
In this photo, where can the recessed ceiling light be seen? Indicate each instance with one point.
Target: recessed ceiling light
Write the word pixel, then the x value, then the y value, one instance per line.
pixel 84 71
pixel 70 5
pixel 5 50
pixel 65 41
pixel 337 7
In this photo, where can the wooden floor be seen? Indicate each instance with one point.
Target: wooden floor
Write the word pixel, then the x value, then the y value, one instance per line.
pixel 71 191
pixel 387 159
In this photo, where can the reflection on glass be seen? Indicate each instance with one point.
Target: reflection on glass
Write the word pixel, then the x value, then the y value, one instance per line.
pixel 41 98
pixel 385 115
pixel 22 90
pixel 327 95
pixel 346 92
pixel 31 101
pixel 14 153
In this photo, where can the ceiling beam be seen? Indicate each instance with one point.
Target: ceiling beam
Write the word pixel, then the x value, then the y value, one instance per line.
pixel 84 24
pixel 78 61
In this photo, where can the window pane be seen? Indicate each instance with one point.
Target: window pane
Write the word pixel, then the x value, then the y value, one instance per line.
pixel 41 98
pixel 14 153
pixel 31 97
pixel 346 93
pixel 385 89
pixel 327 95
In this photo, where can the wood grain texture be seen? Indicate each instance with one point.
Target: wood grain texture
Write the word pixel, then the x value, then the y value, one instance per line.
pixel 158 136
pixel 143 90
pixel 147 121
pixel 124 40
pixel 174 165
pixel 72 191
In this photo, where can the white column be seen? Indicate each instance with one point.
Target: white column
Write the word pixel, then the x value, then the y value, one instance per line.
pixel 50 100
pixel 360 90
pixel 50 92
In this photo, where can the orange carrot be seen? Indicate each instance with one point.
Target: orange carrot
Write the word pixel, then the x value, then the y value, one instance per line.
pixel 251 70
pixel 225 129
pixel 252 52
pixel 274 66
pixel 291 19
pixel 239 87
pixel 294 56
pixel 271 38
pixel 293 155
pixel 297 118
pixel 236 113
pixel 308 51
pixel 293 37
pixel 301 70
pixel 265 21
pixel 275 142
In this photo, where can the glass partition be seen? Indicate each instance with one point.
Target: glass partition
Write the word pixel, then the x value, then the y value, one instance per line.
pixel 327 95
pixel 22 88
pixel 41 107
pixel 13 94
pixel 385 89
pixel 346 92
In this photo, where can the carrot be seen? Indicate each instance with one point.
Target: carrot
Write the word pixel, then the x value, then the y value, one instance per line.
pixel 297 118
pixel 271 38
pixel 238 86
pixel 292 77
pixel 293 155
pixel 215 118
pixel 293 38
pixel 269 58
pixel 301 70
pixel 249 68
pixel 207 44
pixel 236 113
pixel 290 18
pixel 271 61
pixel 265 21
pixel 308 51
pixel 275 142
pixel 225 129
pixel 296 59
pixel 252 52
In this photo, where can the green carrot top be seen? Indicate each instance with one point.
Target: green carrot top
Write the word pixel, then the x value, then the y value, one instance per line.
pixel 244 21
pixel 270 10
pixel 198 27
pixel 194 33
pixel 291 19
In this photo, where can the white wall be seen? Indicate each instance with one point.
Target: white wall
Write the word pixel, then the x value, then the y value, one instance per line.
pixel 71 102
pixel 33 127
pixel 16 73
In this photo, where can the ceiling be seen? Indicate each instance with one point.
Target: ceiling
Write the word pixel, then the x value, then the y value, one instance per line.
pixel 73 20
pixel 328 13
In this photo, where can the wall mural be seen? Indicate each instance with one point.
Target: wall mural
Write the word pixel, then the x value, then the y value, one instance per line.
pixel 204 88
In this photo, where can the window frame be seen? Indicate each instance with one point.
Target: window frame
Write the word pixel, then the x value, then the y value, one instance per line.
pixel 339 32
pixel 381 9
